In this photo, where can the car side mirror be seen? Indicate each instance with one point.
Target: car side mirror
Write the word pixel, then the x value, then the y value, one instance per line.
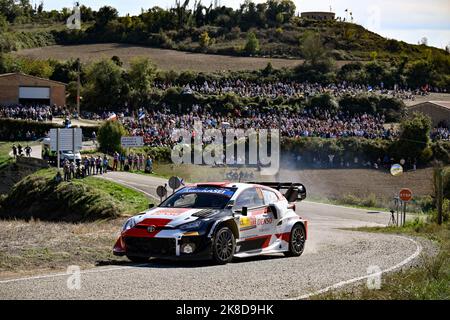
pixel 151 206
pixel 274 210
pixel 244 211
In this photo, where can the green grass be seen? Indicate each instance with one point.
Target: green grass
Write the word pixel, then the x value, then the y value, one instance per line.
pixel 39 196
pixel 6 148
pixel 132 201
pixel 428 281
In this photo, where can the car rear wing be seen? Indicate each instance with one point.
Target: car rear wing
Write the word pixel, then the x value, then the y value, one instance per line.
pixel 293 192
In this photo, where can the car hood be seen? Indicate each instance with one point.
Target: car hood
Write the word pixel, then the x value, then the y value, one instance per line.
pixel 173 217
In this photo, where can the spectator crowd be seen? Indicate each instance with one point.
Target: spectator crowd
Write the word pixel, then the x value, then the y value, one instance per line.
pixel 158 126
pixel 289 89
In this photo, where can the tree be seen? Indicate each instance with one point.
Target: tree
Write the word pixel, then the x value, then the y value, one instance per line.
pixel 109 136
pixel 312 48
pixel 414 138
pixel 420 73
pixel 105 85
pixel 279 11
pixel 141 76
pixel 204 40
pixel 105 15
pixel 375 72
pixel 252 45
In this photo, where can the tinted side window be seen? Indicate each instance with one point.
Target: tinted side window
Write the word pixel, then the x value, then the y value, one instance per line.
pixel 249 198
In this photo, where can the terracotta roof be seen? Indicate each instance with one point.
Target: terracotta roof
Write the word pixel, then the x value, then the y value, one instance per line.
pixel 29 76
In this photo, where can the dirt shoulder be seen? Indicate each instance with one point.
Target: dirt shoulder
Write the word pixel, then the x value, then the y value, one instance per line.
pixel 37 247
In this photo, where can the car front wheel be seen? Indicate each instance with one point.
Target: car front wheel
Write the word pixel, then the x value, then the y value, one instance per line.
pixel 296 241
pixel 223 246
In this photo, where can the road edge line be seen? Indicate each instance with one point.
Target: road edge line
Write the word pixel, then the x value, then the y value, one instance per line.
pixel 418 251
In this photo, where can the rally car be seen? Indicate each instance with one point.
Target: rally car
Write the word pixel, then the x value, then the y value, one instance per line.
pixel 218 221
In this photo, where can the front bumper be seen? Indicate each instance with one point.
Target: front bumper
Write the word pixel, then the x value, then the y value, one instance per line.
pixel 164 247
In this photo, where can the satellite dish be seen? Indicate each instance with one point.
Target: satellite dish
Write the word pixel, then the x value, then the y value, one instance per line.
pixel 174 183
pixel 396 170
pixel 161 191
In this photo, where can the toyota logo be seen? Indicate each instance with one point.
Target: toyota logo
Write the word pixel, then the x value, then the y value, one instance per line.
pixel 151 229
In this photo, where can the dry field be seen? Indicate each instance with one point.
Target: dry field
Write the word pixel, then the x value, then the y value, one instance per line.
pixel 165 59
pixel 326 183
pixel 335 183
pixel 37 246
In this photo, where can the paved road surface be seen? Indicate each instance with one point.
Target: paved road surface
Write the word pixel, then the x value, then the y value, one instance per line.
pixel 332 257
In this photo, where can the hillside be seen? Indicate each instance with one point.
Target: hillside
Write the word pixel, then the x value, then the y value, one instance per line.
pixel 345 41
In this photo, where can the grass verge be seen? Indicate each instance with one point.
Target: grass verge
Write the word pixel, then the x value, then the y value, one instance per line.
pixel 430 280
pixel 39 196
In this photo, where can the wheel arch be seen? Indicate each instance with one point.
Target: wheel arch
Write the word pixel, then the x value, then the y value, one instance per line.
pixel 230 223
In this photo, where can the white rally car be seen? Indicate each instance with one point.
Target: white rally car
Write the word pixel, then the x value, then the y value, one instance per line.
pixel 218 221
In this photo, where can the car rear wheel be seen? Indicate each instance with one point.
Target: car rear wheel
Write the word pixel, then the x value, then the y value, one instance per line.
pixel 296 241
pixel 138 259
pixel 223 246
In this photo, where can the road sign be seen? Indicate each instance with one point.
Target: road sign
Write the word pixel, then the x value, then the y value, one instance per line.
pixel 396 170
pixel 69 139
pixel 405 195
pixel 131 142
pixel 161 191
pixel 174 183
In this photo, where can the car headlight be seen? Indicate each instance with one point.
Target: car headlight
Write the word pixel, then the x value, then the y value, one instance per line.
pixel 191 225
pixel 129 224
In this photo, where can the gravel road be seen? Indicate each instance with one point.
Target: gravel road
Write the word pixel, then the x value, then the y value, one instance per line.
pixel 332 256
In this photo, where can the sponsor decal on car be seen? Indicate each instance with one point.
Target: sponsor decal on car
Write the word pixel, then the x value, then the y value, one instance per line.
pixel 222 191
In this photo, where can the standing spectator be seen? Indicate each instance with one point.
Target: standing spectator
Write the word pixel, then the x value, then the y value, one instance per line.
pixel 73 168
pixel 149 165
pixel 105 164
pixel 122 161
pixel 14 150
pixel 140 161
pixel 86 165
pixel 135 162
pixel 66 169
pixel 19 150
pixel 92 165
pixel 28 151
pixel 130 161
pixel 116 161
pixel 98 165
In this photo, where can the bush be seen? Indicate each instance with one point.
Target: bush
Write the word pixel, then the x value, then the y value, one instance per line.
pixel 414 138
pixel 441 151
pixel 109 136
pixel 324 102
pixel 252 45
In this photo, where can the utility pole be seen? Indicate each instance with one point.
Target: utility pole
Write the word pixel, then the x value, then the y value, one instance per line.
pixel 78 87
pixel 439 181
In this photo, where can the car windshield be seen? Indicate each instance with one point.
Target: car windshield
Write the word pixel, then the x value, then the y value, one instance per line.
pixel 200 197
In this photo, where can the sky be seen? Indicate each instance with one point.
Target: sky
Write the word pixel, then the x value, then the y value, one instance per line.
pixel 407 20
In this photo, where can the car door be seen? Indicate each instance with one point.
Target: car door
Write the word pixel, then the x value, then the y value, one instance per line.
pixel 257 227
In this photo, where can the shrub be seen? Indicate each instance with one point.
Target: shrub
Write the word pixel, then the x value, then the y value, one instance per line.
pixel 252 45
pixel 109 136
